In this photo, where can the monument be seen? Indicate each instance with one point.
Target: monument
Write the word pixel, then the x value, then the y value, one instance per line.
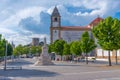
pixel 44 57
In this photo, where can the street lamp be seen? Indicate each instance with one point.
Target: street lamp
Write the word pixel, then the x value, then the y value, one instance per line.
pixel 5 56
pixel 37 52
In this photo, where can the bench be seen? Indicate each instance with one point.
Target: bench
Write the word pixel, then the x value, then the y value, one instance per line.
pixel 13 67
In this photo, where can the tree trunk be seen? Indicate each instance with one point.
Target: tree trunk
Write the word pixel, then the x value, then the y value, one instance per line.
pixel 116 57
pixel 61 57
pixel 109 59
pixel 86 58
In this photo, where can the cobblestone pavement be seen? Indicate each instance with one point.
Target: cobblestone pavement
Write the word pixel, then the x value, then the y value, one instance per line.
pixel 60 71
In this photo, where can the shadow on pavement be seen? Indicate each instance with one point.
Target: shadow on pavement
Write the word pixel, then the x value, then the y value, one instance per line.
pixel 27 73
pixel 19 63
pixel 66 65
pixel 5 78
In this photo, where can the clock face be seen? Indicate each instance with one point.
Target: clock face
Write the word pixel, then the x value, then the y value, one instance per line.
pixel 55 24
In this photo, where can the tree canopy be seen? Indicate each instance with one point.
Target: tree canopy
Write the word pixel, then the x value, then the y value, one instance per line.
pixel 66 50
pixel 51 48
pixel 107 33
pixel 19 50
pixel 87 44
pixel 75 48
pixel 3 47
pixel 59 46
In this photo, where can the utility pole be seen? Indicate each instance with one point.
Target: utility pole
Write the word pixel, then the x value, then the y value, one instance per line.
pixel 5 56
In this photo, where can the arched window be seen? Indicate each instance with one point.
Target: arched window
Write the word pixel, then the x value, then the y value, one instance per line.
pixel 55 19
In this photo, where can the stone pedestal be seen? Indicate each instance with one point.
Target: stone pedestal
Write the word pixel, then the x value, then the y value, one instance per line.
pixel 44 58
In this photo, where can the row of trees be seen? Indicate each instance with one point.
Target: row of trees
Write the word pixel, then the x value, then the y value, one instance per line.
pixel 85 45
pixel 20 50
pixel 3 47
pixel 107 34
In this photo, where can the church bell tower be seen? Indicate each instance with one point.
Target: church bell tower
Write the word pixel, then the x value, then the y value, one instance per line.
pixel 55 18
pixel 55 25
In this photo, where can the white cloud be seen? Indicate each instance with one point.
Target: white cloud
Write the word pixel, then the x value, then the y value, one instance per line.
pixel 19 39
pixel 50 10
pixel 7 31
pixel 24 13
pixel 99 7
pixel 23 39
pixel 9 28
pixel 103 8
pixel 12 14
pixel 92 13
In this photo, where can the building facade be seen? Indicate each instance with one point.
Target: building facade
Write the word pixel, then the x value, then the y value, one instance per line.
pixel 35 41
pixel 68 33
pixel 71 33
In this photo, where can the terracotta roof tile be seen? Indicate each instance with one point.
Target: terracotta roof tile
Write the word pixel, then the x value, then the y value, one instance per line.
pixel 79 28
pixel 96 21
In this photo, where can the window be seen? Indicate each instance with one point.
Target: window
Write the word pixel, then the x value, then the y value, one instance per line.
pixel 55 19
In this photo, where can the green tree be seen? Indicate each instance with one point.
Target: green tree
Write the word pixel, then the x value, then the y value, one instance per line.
pixel 107 33
pixel 33 50
pixel 18 50
pixel 38 49
pixel 9 49
pixel 2 46
pixel 116 41
pixel 75 48
pixel 15 52
pixel 59 46
pixel 51 48
pixel 25 50
pixel 66 50
pixel 87 44
pixel 116 44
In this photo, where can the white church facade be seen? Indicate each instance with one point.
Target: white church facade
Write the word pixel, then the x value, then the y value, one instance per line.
pixel 71 33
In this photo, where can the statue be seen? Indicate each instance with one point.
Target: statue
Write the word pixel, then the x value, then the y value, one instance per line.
pixel 44 41
pixel 44 58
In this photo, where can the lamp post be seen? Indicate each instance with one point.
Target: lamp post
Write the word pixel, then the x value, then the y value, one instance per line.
pixel 5 56
pixel 37 52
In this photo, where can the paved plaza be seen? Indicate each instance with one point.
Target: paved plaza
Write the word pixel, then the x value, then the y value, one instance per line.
pixel 60 71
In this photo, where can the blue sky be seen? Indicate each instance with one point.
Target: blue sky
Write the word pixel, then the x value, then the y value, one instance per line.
pixel 21 20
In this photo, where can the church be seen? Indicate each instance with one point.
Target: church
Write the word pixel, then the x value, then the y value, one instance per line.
pixel 71 33
pixel 68 33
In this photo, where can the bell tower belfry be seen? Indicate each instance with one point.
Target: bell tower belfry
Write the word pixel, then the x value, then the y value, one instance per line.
pixel 55 18
pixel 55 25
